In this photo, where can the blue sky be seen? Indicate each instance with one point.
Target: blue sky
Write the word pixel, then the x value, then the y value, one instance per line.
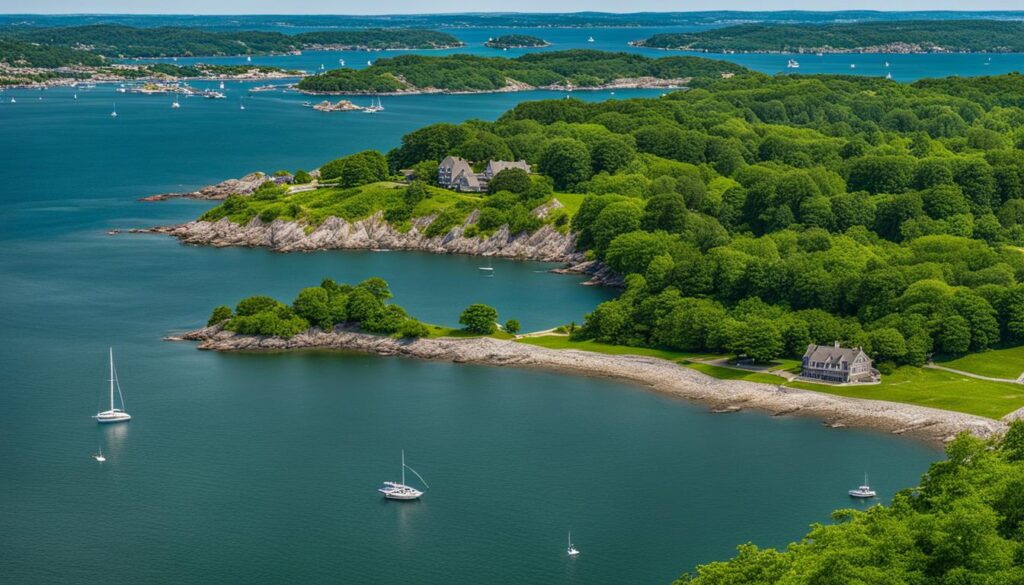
pixel 427 6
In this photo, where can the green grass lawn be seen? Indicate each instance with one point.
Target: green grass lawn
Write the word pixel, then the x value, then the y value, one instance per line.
pixel 735 374
pixel 936 389
pixel 921 386
pixel 571 201
pixel 563 342
pixel 439 331
pixel 994 363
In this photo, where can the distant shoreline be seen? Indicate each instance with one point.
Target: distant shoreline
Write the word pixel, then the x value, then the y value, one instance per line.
pixel 929 424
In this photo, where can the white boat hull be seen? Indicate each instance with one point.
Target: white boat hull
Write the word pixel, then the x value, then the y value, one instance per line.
pixel 112 416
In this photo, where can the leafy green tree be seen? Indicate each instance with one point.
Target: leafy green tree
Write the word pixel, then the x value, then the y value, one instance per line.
pixel 361 304
pixel 363 168
pixel 256 304
pixel 512 326
pixel 611 153
pixel 376 286
pixel 759 340
pixel 566 161
pixel 313 305
pixel 615 219
pixel 479 318
pixel 666 212
pixel 414 193
pixel 219 315
pixel 302 177
pixel 512 180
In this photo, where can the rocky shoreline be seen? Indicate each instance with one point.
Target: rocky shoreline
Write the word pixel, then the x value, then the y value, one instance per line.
pixel 374 233
pixel 723 396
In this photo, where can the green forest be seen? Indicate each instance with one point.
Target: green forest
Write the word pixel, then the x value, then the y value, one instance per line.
pixel 515 41
pixel 117 41
pixel 581 68
pixel 926 35
pixel 756 216
pixel 24 54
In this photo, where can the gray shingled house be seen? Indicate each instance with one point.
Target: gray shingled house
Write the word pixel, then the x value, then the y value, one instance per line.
pixel 456 173
pixel 832 363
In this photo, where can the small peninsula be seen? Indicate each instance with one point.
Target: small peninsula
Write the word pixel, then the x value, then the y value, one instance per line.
pixel 576 69
pixel 910 36
pixel 516 42
pixel 661 375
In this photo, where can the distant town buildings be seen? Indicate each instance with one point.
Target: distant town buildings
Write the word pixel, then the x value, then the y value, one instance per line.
pixel 833 363
pixel 456 173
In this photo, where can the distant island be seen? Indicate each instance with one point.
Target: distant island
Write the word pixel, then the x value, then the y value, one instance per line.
pixel 516 42
pixel 55 56
pixel 579 69
pixel 116 41
pixel 911 36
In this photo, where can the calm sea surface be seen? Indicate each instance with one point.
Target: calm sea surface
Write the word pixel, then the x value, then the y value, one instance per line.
pixel 902 67
pixel 263 468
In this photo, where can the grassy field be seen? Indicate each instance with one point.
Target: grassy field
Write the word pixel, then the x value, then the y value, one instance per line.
pixel 439 331
pixel 563 342
pixel 735 374
pixel 910 385
pixel 995 363
pixel 936 389
pixel 571 202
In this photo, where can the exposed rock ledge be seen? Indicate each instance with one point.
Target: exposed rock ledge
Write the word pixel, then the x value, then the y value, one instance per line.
pixel 930 424
pixel 244 186
pixel 374 233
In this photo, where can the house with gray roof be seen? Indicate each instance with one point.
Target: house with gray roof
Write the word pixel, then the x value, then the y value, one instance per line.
pixel 833 363
pixel 456 173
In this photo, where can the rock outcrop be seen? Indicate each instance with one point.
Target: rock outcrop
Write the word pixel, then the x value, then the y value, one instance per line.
pixel 244 186
pixel 547 244
pixel 661 375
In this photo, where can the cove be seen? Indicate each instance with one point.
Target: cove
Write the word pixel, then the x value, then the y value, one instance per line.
pixel 263 468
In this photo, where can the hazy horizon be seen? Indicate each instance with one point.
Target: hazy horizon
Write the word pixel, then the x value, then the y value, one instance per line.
pixel 396 7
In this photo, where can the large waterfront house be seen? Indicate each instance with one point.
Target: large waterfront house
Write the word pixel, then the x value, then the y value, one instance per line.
pixel 833 363
pixel 456 173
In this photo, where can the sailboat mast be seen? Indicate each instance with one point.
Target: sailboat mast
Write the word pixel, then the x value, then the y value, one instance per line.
pixel 403 466
pixel 111 378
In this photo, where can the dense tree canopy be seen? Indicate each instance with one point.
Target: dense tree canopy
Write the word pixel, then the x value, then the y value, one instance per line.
pixel 882 215
pixel 326 306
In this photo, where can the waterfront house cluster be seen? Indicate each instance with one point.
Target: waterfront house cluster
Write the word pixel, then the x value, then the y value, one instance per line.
pixel 457 174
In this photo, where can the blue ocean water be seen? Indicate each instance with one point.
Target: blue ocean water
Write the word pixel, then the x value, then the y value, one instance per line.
pixel 263 468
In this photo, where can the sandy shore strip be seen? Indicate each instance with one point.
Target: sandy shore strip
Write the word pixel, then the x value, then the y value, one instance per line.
pixel 930 424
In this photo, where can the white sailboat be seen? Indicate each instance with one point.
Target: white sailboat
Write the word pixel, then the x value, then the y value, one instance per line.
pixel 222 85
pixel 341 62
pixel 76 96
pixel 241 105
pixel 888 75
pixel 488 268
pixel 99 456
pixel 248 59
pixel 399 490
pixel 572 550
pixel 590 39
pixel 14 101
pixel 175 104
pixel 369 63
pixel 114 414
pixel 863 491
pixel 113 114
pixel 793 64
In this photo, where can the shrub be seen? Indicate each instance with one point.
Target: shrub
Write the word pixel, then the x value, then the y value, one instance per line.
pixel 512 326
pixel 479 318
pixel 219 315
